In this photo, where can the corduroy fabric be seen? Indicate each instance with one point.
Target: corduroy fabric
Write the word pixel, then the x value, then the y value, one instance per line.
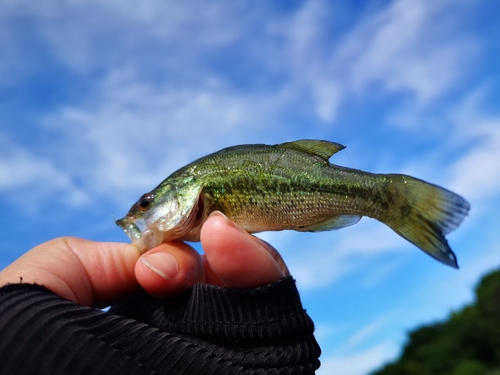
pixel 204 330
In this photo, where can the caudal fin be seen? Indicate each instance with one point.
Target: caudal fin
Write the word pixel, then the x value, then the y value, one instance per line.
pixel 428 213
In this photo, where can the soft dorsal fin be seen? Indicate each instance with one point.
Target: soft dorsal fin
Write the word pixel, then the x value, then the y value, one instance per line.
pixel 323 149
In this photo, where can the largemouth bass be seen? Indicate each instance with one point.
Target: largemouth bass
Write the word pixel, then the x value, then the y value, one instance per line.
pixel 292 186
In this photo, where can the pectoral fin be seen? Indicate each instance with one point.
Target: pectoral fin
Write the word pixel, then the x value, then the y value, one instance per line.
pixel 336 222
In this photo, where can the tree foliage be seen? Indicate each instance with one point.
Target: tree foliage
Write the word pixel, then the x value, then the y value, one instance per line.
pixel 468 343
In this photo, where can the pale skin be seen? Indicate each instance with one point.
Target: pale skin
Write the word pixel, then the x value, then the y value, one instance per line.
pixel 101 273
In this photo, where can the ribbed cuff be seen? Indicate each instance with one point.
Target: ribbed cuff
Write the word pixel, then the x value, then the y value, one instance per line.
pixel 271 311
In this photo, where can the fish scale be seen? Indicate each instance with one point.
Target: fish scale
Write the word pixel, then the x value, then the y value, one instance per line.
pixel 293 186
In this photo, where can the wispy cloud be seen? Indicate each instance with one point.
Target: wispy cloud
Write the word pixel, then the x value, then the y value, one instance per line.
pixel 364 333
pixel 391 48
pixel 325 258
pixel 99 34
pixel 27 175
pixel 477 173
pixel 360 363
pixel 130 134
pixel 387 48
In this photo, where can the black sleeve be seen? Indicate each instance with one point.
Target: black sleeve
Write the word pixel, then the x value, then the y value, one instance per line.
pixel 204 330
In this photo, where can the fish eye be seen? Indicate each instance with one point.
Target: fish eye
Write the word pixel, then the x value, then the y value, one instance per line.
pixel 145 202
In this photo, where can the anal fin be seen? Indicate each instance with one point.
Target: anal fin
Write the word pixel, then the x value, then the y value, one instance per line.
pixel 333 223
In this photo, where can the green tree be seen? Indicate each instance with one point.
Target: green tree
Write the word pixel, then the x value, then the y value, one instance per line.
pixel 470 367
pixel 468 343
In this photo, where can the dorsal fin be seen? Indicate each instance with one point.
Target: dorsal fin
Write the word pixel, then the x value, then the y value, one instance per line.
pixel 323 149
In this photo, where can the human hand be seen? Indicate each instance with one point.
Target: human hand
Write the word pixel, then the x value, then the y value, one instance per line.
pixel 102 273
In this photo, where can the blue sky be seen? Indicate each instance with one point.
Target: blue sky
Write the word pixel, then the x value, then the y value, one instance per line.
pixel 100 101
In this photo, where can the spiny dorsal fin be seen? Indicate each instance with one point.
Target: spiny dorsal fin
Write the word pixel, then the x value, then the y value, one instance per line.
pixel 323 149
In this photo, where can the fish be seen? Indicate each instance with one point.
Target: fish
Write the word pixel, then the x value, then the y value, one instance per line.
pixel 293 186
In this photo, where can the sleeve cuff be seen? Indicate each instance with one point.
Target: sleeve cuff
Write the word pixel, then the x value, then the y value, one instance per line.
pixel 267 312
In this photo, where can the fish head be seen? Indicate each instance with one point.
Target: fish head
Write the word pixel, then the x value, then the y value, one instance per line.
pixel 164 214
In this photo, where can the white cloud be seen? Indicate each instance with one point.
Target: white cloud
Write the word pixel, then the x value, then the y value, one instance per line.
pixel 130 133
pixel 449 291
pixel 477 173
pixel 392 48
pixel 323 259
pixel 407 46
pixel 467 161
pixel 436 295
pixel 313 67
pixel 309 64
pixel 360 363
pixel 367 332
pixel 377 275
pixel 89 35
pixel 22 173
pixel 473 145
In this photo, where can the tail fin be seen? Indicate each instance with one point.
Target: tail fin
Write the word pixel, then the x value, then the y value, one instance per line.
pixel 428 213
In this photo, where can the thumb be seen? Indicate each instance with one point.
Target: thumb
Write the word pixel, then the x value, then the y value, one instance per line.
pixel 169 269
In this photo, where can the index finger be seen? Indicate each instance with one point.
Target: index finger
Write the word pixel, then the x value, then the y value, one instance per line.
pixel 87 272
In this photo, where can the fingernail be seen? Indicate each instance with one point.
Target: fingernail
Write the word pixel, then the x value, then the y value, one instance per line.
pixel 218 213
pixel 227 220
pixel 265 245
pixel 163 264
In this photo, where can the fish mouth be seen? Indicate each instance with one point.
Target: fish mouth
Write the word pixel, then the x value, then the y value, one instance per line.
pixel 130 228
pixel 143 237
